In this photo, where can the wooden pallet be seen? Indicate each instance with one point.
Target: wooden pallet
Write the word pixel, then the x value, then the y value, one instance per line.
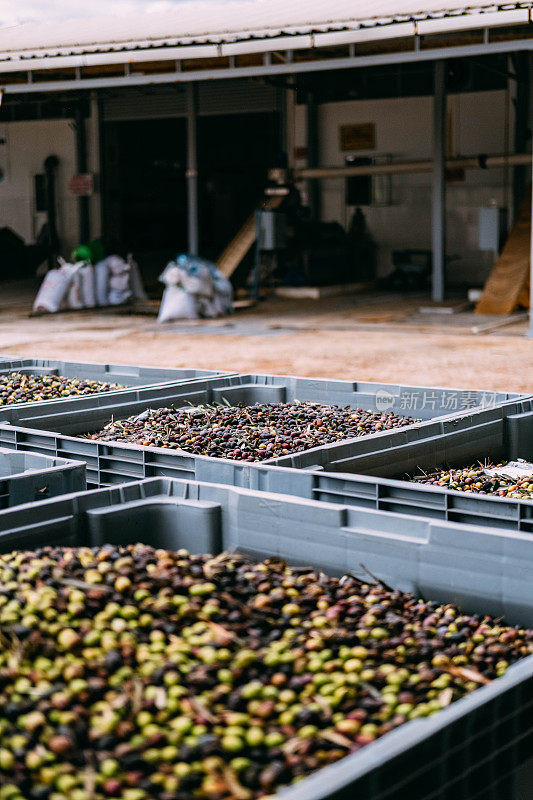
pixel 507 285
pixel 243 241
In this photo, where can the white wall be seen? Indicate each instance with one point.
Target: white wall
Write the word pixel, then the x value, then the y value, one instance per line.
pixel 27 144
pixel 404 130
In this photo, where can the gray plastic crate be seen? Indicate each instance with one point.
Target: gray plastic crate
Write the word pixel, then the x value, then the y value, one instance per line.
pixel 468 751
pixel 124 374
pixel 426 403
pixel 362 478
pixel 54 429
pixel 27 477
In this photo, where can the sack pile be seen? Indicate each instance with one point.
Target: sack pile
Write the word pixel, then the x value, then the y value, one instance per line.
pixel 111 282
pixel 195 288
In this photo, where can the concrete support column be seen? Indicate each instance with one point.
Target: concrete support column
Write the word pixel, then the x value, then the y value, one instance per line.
pixel 521 66
pixel 313 155
pixel 192 168
pixel 281 103
pixel 81 167
pixel 530 129
pixel 438 237
pixel 530 331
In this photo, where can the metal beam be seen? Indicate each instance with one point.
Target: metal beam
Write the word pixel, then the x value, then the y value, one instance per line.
pixel 51 164
pixel 521 128
pixel 192 168
pixel 290 124
pixel 281 106
pixel 94 159
pixel 438 222
pixel 530 116
pixel 102 195
pixel 530 331
pixel 287 68
pixel 312 154
pixel 81 166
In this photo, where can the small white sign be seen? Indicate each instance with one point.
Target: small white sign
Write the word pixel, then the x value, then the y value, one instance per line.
pixel 82 184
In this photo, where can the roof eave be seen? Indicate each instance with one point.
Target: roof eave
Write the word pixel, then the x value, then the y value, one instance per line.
pixel 174 49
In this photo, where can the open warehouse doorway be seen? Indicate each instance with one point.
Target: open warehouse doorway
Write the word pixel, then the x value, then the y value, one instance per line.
pixel 144 191
pixel 234 156
pixel 145 167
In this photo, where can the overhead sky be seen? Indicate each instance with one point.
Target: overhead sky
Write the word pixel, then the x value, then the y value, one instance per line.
pixel 13 12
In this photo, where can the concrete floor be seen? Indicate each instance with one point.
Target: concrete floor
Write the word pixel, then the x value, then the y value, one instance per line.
pixel 360 337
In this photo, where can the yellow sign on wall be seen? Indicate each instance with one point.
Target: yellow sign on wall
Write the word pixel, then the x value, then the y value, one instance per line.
pixel 358 137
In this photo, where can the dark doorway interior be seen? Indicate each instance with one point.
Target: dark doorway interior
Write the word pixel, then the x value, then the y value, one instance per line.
pixel 235 152
pixel 145 194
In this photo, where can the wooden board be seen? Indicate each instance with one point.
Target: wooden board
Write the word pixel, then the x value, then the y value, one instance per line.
pixel 524 296
pixel 506 284
pixel 243 241
pixel 319 292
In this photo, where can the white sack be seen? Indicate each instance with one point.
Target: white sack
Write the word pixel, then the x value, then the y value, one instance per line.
pixel 189 272
pixel 177 304
pixel 116 265
pixel 101 273
pixel 88 286
pixel 171 275
pixel 116 298
pixel 120 283
pixel 75 294
pixel 53 290
pixel 136 284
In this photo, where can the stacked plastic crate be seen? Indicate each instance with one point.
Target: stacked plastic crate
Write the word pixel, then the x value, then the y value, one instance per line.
pixel 350 506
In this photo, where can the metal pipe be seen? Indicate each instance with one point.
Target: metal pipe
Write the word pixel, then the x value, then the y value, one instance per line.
pixel 290 133
pixel 102 194
pixel 399 167
pixel 281 105
pixel 287 68
pixel 312 153
pixel 438 217
pixel 51 164
pixel 81 166
pixel 192 168
pixel 94 158
pixel 521 128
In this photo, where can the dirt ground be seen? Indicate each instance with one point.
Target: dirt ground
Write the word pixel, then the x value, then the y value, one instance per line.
pixel 364 337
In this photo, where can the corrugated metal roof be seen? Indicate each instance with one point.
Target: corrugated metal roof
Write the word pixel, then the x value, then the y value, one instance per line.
pixel 234 21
